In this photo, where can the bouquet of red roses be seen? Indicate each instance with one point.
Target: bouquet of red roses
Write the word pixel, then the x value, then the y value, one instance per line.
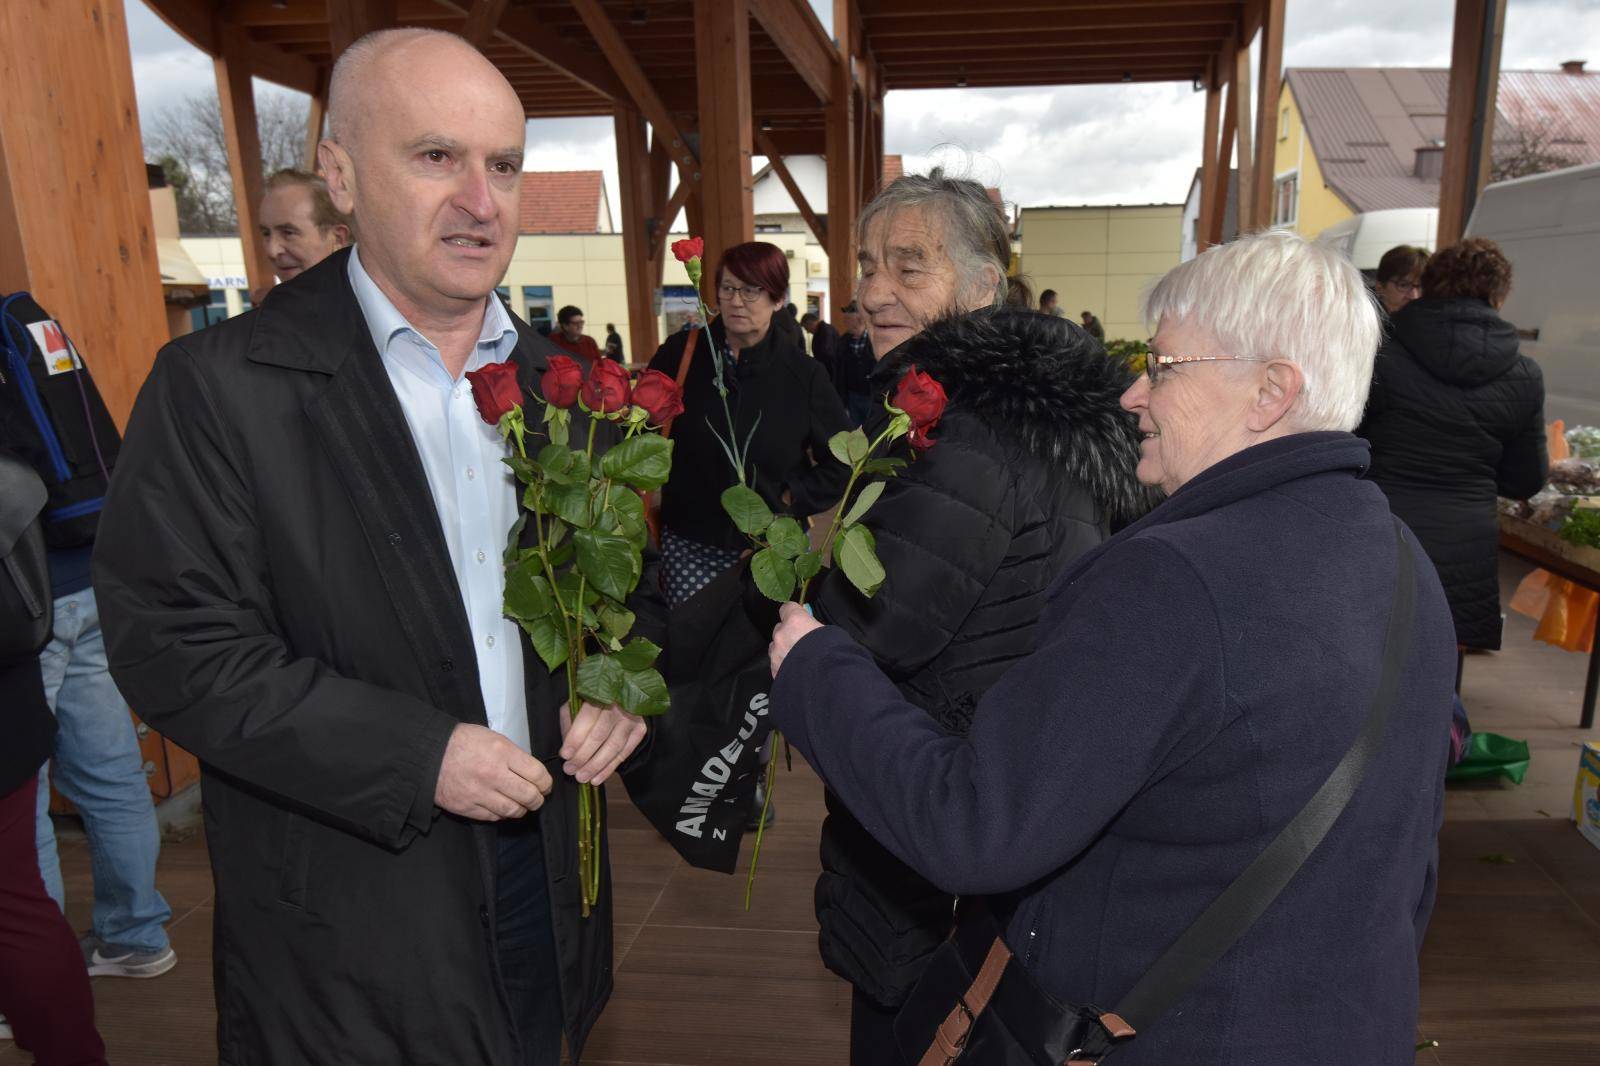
pixel 567 583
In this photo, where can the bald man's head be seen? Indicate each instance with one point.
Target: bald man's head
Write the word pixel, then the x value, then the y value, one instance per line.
pixel 424 147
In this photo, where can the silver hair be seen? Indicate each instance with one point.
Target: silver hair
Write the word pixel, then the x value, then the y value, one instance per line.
pixel 343 93
pixel 1276 295
pixel 974 228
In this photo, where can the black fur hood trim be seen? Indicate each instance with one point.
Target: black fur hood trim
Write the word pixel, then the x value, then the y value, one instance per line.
pixel 1045 383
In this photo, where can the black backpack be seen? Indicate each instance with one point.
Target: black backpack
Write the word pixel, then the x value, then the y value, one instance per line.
pixel 25 604
pixel 52 417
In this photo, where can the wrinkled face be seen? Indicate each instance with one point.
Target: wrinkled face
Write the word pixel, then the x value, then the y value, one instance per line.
pixel 746 307
pixel 432 174
pixel 572 328
pixel 1195 414
pixel 908 279
pixel 294 241
pixel 1397 293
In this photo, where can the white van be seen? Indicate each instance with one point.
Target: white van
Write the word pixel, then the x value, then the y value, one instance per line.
pixel 1364 238
pixel 1549 227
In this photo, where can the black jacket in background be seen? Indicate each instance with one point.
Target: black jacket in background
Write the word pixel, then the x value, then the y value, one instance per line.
pixel 1455 418
pixel 278 597
pixel 854 366
pixel 1032 462
pixel 825 350
pixel 775 381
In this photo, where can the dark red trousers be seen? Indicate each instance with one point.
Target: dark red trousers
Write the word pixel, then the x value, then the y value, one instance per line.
pixel 44 985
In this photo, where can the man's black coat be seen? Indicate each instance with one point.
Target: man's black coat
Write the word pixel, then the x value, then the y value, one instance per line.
pixel 278 598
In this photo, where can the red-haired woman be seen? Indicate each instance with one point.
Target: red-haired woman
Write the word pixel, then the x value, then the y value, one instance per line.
pixel 778 399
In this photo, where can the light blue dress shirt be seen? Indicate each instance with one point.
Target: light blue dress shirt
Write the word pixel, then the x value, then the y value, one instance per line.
pixel 474 492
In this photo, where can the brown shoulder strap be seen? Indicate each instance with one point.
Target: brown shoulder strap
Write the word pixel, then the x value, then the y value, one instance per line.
pixel 683 373
pixel 951 1036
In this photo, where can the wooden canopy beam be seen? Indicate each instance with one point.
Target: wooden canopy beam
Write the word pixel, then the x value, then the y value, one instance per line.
pixel 722 51
pixel 638 87
pixel 1118 16
pixel 843 190
pixel 239 129
pixel 520 28
pixel 1219 194
pixel 1209 165
pixel 482 21
pixel 795 29
pixel 780 168
pixel 315 117
pixel 1270 89
pixel 1244 123
pixel 633 167
pixel 351 20
pixel 1469 119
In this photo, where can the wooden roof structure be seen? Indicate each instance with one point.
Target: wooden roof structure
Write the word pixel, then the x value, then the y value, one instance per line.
pixel 694 87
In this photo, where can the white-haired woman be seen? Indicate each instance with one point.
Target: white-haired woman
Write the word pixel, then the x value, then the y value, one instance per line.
pixel 1196 679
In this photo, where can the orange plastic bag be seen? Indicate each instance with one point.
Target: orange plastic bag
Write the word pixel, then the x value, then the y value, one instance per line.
pixel 1566 612
pixel 1555 438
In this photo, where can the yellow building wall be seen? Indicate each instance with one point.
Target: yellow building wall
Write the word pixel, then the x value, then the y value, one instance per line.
pixel 1320 207
pixel 1101 259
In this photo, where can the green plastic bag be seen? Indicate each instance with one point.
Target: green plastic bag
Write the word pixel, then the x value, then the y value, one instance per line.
pixel 1490 755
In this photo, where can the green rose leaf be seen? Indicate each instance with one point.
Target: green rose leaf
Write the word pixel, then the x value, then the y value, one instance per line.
pixel 644 693
pixel 774 575
pixel 638 654
pixel 607 561
pixel 570 503
pixel 856 446
pixel 528 594
pixel 549 640
pixel 839 445
pixel 561 556
pixel 514 539
pixel 643 461
pixel 617 622
pixel 600 680
pixel 888 466
pixel 787 538
pixel 628 507
pixel 567 591
pixel 864 502
pixel 748 510
pixel 520 467
pixel 553 535
pixel 808 566
pixel 856 552
pixel 559 420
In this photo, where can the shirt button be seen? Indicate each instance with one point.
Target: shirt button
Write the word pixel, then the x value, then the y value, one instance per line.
pixel 489 641
pixel 471 473
pixel 482 557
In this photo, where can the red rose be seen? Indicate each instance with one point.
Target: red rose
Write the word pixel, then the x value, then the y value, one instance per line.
pixel 496 390
pixel 688 248
pixel 922 399
pixel 659 395
pixel 560 383
pixel 607 389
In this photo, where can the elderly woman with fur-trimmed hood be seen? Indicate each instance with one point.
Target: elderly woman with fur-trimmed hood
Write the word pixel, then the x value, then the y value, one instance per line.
pixel 1033 462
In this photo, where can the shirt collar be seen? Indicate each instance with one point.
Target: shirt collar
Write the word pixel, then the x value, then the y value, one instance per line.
pixel 496 340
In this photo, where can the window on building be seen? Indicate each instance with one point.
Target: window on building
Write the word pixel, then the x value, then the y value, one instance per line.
pixel 1283 124
pixel 213 312
pixel 539 307
pixel 769 227
pixel 1286 200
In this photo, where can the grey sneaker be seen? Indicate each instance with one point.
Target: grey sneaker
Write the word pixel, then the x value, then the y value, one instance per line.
pixel 5 1029
pixel 113 960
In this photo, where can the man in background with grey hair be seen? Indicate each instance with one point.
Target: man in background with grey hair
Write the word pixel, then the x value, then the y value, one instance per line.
pixel 300 567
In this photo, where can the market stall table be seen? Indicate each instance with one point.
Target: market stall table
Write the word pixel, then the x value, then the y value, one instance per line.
pixel 1576 563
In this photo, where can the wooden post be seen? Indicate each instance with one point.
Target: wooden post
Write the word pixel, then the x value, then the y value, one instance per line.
pixel 780 168
pixel 75 223
pixel 1209 166
pixel 1224 156
pixel 633 167
pixel 1267 112
pixel 839 147
pixel 351 20
pixel 722 62
pixel 238 102
pixel 1469 121
pixel 1244 122
pixel 315 118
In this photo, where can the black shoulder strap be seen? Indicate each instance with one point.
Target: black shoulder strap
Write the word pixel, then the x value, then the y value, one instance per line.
pixel 1253 891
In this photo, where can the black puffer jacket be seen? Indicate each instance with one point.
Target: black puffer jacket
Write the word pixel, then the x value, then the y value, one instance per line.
pixel 1456 417
pixel 1032 461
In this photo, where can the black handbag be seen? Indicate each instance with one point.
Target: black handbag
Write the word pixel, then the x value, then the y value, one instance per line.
pixel 25 599
pixel 977 1005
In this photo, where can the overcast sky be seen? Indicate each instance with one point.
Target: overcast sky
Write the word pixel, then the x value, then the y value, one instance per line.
pixel 1095 144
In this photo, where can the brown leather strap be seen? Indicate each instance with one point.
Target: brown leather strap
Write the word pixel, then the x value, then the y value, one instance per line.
pixel 951 1036
pixel 683 374
pixel 1115 1027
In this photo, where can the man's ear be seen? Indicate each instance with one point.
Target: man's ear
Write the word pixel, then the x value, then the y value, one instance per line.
pixel 1277 391
pixel 339 172
pixel 341 236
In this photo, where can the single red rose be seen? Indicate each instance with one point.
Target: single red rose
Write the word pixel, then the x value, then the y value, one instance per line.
pixel 919 437
pixel 561 382
pixel 688 248
pixel 921 398
pixel 496 390
pixel 607 389
pixel 659 395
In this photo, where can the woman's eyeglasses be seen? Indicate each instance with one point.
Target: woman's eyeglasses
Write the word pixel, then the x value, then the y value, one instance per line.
pixel 746 293
pixel 1155 365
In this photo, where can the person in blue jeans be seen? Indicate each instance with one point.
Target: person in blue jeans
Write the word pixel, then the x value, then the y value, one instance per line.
pixel 97 765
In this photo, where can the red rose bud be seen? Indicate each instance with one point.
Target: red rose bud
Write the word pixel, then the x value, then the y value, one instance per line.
pixel 496 390
pixel 659 395
pixel 688 248
pixel 922 399
pixel 561 382
pixel 607 392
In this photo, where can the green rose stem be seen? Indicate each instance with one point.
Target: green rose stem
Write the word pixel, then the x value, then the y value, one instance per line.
pixel 896 428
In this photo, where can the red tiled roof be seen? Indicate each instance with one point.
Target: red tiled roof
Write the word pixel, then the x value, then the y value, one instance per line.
pixel 1367 123
pixel 560 201
pixel 894 168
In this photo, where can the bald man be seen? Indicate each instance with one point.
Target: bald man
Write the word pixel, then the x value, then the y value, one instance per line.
pixel 301 583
